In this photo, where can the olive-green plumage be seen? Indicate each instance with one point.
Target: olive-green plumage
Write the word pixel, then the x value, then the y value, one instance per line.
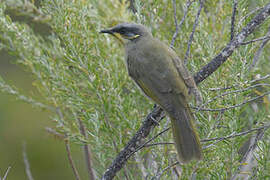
pixel 160 74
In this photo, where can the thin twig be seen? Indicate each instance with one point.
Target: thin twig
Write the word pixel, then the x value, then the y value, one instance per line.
pixel 174 14
pixel 235 3
pixel 222 88
pixel 193 31
pixel 236 85
pixel 27 164
pixel 55 133
pixel 6 173
pixel 259 52
pixel 178 25
pixel 233 92
pixel 260 78
pixel 231 107
pixel 150 140
pixel 166 169
pixel 255 40
pixel 87 151
pixel 71 162
pixel 159 143
pixel 12 91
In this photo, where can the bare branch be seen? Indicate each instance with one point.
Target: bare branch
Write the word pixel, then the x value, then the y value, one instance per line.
pixel 166 169
pixel 235 3
pixel 87 151
pixel 55 133
pixel 174 14
pixel 222 88
pixel 27 164
pixel 7 171
pixel 71 162
pixel 193 31
pixel 178 25
pixel 260 78
pixel 159 143
pixel 255 40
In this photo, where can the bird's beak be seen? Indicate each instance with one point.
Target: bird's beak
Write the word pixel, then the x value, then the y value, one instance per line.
pixel 113 33
pixel 108 31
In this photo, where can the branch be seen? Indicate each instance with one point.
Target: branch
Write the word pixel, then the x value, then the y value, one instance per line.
pixel 255 40
pixel 71 162
pixel 27 164
pixel 87 151
pixel 67 146
pixel 236 85
pixel 259 52
pixel 235 3
pixel 7 171
pixel 158 113
pixel 193 31
pixel 260 78
pixel 166 169
pixel 178 25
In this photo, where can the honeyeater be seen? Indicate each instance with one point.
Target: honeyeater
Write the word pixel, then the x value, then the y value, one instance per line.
pixel 161 75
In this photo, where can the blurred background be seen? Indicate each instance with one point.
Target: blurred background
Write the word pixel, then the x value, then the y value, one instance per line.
pixel 19 123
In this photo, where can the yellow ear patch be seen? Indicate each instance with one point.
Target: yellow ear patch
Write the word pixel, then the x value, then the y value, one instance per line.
pixel 133 37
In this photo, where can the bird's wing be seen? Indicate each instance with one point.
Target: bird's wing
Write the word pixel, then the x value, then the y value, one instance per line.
pixel 147 91
pixel 188 78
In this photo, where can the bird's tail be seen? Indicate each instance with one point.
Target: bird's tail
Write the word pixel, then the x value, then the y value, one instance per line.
pixel 187 142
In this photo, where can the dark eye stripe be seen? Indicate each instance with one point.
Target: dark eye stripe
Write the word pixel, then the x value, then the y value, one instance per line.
pixel 122 30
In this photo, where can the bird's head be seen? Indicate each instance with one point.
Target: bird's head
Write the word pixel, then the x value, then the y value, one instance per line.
pixel 128 31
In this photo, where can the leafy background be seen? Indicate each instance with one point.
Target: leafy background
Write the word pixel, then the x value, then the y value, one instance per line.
pixel 55 62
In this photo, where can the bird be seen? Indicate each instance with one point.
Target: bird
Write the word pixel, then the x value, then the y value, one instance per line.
pixel 161 75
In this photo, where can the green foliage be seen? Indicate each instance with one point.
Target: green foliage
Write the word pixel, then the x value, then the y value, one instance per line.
pixel 81 74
